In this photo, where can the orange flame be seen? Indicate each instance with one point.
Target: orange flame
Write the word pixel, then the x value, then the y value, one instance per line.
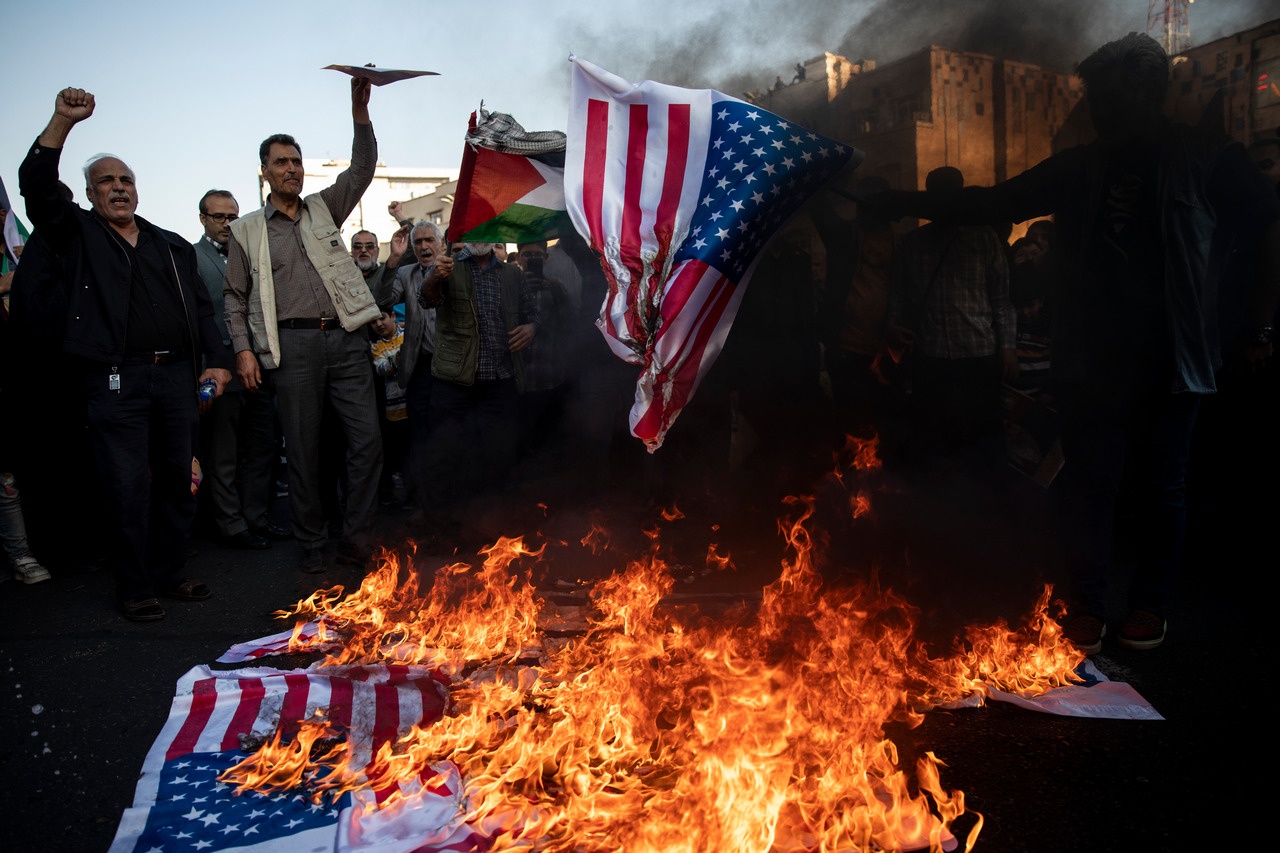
pixel 649 732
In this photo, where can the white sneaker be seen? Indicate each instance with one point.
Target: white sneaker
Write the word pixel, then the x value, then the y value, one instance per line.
pixel 29 570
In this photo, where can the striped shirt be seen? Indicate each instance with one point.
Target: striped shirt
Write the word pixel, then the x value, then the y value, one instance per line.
pixel 951 286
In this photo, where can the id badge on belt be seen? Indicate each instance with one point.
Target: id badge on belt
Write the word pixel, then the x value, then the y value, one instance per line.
pixel 113 382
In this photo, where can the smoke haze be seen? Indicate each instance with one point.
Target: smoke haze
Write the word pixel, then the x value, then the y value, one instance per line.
pixel 742 46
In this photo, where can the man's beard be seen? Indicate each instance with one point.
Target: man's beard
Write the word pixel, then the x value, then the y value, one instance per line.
pixel 479 250
pixel 367 266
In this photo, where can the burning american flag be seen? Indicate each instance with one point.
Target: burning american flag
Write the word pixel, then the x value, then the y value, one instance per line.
pixel 679 190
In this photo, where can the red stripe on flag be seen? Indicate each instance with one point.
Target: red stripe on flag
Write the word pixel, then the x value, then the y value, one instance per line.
pixel 673 180
pixel 593 169
pixel 204 696
pixel 629 240
pixel 681 373
pixel 340 693
pixel 293 709
pixel 386 714
pixel 251 693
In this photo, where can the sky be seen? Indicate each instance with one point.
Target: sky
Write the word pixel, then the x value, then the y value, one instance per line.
pixel 186 91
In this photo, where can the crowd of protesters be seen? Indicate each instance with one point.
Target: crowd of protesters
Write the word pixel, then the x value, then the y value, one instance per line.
pixel 447 380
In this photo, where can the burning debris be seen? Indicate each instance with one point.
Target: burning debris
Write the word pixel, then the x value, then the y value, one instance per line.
pixel 647 727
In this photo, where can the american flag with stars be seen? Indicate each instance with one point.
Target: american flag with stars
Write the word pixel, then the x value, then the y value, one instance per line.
pixel 679 190
pixel 180 804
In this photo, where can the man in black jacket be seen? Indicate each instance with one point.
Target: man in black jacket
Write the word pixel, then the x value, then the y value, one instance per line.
pixel 140 324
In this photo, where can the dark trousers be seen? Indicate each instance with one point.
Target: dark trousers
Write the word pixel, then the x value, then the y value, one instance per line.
pixel 315 367
pixel 417 402
pixel 241 451
pixel 1104 435
pixel 144 439
pixel 957 407
pixel 864 399
pixel 473 441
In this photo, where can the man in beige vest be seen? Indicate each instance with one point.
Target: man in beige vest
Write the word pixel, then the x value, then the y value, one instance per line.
pixel 297 307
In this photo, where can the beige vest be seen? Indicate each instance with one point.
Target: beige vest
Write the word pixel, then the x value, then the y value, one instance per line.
pixel 353 304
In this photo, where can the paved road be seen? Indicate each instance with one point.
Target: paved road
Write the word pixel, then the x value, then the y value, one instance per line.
pixel 85 693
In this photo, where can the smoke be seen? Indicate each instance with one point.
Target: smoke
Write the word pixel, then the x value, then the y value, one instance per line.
pixel 743 46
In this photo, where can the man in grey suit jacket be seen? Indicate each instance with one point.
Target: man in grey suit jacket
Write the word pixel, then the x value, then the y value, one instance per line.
pixel 413 367
pixel 239 425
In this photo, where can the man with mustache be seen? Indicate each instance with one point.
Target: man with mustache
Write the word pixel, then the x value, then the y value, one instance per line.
pixel 140 324
pixel 297 306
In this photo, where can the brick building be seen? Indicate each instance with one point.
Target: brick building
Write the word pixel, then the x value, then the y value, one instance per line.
pixel 1241 71
pixel 991 118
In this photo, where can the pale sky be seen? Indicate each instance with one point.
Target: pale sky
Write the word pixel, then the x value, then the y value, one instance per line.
pixel 186 91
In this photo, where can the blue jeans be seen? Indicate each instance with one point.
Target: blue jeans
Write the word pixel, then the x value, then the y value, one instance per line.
pixel 13 530
pixel 1104 433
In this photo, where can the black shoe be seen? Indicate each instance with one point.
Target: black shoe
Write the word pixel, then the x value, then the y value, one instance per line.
pixel 314 561
pixel 350 553
pixel 271 529
pixel 246 540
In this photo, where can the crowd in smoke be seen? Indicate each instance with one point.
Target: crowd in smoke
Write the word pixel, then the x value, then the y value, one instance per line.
pixel 510 392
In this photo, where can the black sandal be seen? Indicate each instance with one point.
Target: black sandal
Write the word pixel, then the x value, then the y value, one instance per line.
pixel 187 591
pixel 142 610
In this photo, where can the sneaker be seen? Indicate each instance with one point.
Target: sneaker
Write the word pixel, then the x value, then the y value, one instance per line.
pixel 1085 632
pixel 29 570
pixel 1142 630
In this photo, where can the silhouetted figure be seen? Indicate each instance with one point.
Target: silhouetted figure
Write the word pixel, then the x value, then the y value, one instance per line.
pixel 1135 339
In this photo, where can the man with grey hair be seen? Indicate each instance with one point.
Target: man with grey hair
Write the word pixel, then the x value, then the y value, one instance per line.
pixel 140 322
pixel 1135 343
pixel 413 365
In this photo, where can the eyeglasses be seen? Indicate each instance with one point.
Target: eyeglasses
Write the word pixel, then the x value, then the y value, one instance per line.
pixel 355 247
pixel 220 218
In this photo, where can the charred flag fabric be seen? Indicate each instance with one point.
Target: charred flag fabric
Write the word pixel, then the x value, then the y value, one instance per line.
pixel 180 804
pixel 679 190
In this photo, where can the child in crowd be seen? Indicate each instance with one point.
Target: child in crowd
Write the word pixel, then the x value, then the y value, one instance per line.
pixel 387 333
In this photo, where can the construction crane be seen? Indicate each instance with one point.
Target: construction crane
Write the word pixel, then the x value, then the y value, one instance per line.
pixel 1167 23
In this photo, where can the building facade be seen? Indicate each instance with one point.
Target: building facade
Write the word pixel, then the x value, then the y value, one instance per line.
pixel 1232 83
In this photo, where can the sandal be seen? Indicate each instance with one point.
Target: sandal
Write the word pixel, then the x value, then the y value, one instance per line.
pixel 142 610
pixel 188 590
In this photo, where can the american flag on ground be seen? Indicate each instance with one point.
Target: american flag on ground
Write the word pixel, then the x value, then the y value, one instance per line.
pixel 180 804
pixel 679 190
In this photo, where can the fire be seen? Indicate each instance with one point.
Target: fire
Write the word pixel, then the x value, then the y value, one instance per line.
pixel 652 730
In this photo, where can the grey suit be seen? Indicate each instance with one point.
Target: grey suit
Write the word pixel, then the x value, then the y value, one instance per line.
pixel 239 431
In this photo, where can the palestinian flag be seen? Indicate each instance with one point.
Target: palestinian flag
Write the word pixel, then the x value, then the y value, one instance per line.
pixel 511 187
pixel 16 234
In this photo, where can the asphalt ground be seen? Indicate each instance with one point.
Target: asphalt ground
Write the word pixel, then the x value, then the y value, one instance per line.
pixel 85 692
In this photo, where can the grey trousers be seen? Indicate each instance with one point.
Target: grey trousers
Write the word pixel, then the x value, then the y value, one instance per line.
pixel 315 366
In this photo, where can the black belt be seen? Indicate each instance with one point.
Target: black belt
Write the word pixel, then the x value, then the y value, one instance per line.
pixel 164 356
pixel 324 324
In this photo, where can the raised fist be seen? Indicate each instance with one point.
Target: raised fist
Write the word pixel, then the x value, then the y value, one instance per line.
pixel 74 104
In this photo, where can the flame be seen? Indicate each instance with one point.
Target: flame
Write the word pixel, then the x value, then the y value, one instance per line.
pixel 671 514
pixel 657 731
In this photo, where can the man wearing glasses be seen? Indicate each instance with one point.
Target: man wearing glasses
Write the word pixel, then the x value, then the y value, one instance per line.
pixel 239 428
pixel 364 251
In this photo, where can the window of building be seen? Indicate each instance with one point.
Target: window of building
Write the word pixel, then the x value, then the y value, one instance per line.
pixel 980 108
